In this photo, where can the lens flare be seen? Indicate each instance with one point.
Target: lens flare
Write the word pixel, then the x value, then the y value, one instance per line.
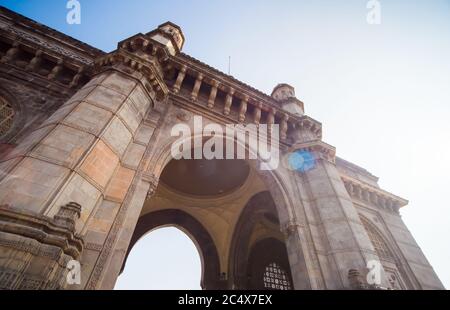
pixel 301 161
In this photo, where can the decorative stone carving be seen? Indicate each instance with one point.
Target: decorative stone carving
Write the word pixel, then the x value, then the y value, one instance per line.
pixel 257 114
pixel 320 149
pixel 142 55
pixel 197 85
pixel 180 78
pixel 285 95
pixel 228 102
pixel 153 180
pixel 47 45
pixel 213 94
pixel 355 279
pixel 290 228
pixel 169 35
pixel 243 109
pixel 68 215
pixel 373 195
pixel 44 246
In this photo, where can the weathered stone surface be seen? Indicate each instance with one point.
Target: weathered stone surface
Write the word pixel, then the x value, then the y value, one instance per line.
pixel 130 116
pixel 30 185
pixel 117 136
pixel 140 100
pixel 119 184
pixel 98 137
pixel 144 134
pixel 133 155
pixel 80 191
pixel 119 83
pixel 100 164
pixel 108 99
pixel 67 154
pixel 88 118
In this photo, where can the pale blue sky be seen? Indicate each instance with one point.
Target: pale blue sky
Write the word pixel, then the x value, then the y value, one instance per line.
pixel 382 92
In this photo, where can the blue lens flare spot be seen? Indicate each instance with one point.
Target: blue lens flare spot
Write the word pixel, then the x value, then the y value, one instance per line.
pixel 301 161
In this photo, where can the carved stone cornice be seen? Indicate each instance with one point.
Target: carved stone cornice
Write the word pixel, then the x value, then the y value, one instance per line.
pixel 373 195
pixel 264 107
pixel 75 73
pixel 142 55
pixel 306 123
pixel 21 28
pixel 59 231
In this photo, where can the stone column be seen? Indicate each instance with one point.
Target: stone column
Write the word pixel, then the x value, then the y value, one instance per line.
pixel 347 245
pixel 243 109
pixel 271 116
pixel 213 94
pixel 180 79
pixel 257 114
pixel 284 126
pixel 85 153
pixel 11 54
pixel 228 102
pixel 198 83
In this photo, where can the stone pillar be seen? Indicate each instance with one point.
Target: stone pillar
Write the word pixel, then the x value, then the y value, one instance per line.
pixel 228 102
pixel 198 83
pixel 213 94
pixel 347 244
pixel 180 79
pixel 88 153
pixel 284 126
pixel 35 62
pixel 271 117
pixel 105 258
pixel 257 114
pixel 298 256
pixel 56 70
pixel 11 54
pixel 243 109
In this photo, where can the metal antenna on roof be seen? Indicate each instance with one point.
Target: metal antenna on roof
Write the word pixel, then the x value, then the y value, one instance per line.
pixel 229 65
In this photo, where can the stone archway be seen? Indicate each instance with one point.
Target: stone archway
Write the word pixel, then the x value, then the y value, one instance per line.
pixel 269 270
pixel 272 187
pixel 210 278
pixel 258 228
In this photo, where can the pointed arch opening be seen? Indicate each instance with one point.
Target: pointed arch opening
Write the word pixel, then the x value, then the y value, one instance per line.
pixel 164 258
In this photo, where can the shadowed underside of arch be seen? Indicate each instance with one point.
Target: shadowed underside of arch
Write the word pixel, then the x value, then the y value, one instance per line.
pixel 251 257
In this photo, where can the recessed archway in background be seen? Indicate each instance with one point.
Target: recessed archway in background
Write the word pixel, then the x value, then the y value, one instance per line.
pixel 227 210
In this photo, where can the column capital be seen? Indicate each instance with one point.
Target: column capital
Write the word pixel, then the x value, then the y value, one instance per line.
pixel 183 69
pixel 320 149
pixel 139 54
pixel 153 180
pixel 200 76
pixel 290 227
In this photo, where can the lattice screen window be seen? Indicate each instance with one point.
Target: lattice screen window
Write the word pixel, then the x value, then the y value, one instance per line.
pixel 6 117
pixel 276 278
pixel 377 240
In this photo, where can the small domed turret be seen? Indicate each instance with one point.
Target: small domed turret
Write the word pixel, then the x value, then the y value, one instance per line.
pixel 285 95
pixel 169 35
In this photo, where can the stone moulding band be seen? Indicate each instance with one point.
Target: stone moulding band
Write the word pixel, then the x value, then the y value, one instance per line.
pixel 56 232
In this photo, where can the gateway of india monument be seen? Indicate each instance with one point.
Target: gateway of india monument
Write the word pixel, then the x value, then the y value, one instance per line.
pixel 86 170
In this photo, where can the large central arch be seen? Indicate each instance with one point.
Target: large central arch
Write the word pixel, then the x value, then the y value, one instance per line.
pixel 219 271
